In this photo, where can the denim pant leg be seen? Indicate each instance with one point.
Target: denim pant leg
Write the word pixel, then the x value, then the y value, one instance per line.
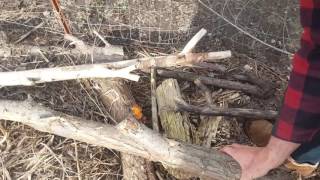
pixel 308 152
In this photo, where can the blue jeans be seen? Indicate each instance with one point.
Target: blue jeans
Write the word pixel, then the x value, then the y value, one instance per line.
pixel 308 152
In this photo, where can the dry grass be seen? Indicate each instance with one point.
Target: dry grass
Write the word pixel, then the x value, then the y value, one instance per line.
pixel 29 154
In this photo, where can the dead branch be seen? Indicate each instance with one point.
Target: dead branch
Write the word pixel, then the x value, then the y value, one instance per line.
pixel 23 37
pixel 222 83
pixel 118 100
pixel 193 42
pixel 36 76
pixel 154 109
pixel 212 66
pixel 234 112
pixel 188 59
pixel 114 53
pixel 206 92
pixel 176 125
pixel 129 136
pixel 268 86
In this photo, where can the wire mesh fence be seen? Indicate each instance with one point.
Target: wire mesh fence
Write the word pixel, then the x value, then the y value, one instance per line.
pixel 170 21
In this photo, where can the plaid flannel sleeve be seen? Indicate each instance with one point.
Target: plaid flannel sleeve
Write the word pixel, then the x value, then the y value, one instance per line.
pixel 299 118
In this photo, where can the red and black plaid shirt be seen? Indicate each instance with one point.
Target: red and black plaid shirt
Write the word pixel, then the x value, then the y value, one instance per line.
pixel 300 115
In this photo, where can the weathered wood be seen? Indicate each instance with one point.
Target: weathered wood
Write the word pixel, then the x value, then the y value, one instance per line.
pixel 207 130
pixel 209 125
pixel 193 42
pixel 112 53
pixel 222 83
pixel 154 108
pixel 117 98
pixel 36 76
pixel 129 136
pixel 206 92
pixel 266 85
pixel 233 112
pixel 21 51
pixel 176 125
pixel 187 59
pixel 212 67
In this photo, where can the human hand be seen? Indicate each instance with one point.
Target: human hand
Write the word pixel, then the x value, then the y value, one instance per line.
pixel 256 162
pixel 251 159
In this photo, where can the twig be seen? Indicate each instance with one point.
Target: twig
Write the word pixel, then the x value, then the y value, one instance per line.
pixel 36 76
pixel 28 33
pixel 233 112
pixel 206 92
pixel 211 66
pixel 114 53
pixel 155 120
pixel 193 42
pixel 38 50
pixel 102 39
pixel 62 18
pixel 159 175
pixel 77 159
pixel 5 135
pixel 222 83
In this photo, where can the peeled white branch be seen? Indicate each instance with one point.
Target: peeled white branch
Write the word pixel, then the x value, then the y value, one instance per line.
pixel 193 41
pixel 36 76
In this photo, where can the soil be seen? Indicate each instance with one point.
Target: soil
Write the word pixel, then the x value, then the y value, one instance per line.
pixel 144 28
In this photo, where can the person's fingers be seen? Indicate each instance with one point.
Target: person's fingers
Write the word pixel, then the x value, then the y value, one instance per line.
pixel 229 146
pixel 236 145
pixel 229 150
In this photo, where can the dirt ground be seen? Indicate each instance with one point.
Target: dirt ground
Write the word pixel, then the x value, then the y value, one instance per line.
pixel 144 28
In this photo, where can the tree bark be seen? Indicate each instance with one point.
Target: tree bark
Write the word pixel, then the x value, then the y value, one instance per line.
pixel 233 112
pixel 117 98
pixel 222 83
pixel 176 125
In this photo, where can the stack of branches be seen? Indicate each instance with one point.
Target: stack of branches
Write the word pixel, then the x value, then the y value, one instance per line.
pixel 130 135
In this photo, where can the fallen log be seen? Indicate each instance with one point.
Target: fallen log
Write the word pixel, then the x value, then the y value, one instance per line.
pixel 222 83
pixel 177 125
pixel 118 100
pixel 233 112
pixel 129 136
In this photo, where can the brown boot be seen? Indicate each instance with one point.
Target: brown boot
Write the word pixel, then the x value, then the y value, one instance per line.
pixel 304 169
